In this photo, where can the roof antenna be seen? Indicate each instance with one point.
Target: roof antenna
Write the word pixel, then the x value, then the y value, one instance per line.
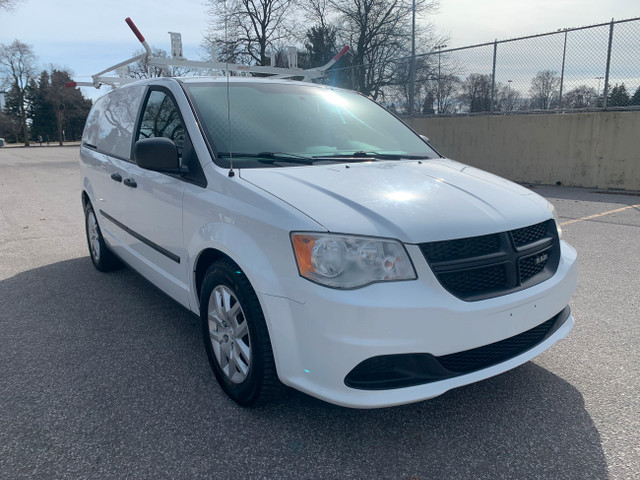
pixel 231 172
pixel 226 42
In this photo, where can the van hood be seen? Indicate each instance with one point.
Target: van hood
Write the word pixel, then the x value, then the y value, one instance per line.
pixel 413 201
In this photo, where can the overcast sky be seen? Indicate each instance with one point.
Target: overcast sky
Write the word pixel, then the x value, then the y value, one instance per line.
pixel 86 36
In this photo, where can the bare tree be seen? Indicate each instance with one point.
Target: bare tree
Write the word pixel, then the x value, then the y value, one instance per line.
pixel 9 126
pixel 476 92
pixel 8 4
pixel 18 70
pixel 399 94
pixel 319 12
pixel 544 89
pixel 444 89
pixel 246 30
pixel 507 98
pixel 581 97
pixel 381 31
pixel 320 39
pixel 433 93
pixel 141 70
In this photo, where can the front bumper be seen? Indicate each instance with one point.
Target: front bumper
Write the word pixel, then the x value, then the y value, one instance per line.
pixel 409 369
pixel 319 342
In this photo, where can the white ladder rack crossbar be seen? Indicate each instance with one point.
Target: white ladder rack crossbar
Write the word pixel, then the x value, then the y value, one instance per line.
pixel 178 61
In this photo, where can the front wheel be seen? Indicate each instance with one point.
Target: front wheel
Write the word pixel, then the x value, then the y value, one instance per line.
pixel 236 337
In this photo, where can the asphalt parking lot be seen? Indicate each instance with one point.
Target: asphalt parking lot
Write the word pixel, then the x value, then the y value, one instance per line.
pixel 102 376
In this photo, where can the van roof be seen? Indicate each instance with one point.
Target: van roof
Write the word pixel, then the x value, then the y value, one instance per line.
pixel 223 79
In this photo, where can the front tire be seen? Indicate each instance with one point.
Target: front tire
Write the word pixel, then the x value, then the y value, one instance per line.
pixel 103 259
pixel 236 337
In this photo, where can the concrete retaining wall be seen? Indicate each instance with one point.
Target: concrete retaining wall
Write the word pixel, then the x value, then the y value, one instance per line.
pixel 594 150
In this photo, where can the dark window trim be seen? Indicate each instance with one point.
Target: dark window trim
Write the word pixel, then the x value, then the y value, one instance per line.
pixel 146 241
pixel 213 151
pixel 138 123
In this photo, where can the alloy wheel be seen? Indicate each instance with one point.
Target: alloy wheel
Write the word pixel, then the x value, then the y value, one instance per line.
pixel 229 334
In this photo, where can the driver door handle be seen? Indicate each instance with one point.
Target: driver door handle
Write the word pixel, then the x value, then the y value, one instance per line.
pixel 116 177
pixel 130 182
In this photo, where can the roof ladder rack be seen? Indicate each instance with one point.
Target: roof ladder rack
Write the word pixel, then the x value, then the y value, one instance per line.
pixel 177 60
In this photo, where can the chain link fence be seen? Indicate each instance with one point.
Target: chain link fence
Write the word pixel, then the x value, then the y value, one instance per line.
pixel 586 68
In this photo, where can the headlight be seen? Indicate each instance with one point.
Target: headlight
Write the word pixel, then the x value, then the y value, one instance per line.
pixel 341 261
pixel 552 209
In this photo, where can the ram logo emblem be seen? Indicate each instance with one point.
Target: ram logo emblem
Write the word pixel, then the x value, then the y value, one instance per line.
pixel 541 259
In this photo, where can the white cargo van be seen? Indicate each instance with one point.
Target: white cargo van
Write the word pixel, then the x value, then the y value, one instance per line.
pixel 323 243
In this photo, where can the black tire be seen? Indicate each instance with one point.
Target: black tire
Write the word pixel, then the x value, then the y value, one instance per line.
pixel 247 379
pixel 103 259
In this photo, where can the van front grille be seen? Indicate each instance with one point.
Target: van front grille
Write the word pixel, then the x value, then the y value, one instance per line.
pixel 488 266
pixel 524 236
pixel 461 248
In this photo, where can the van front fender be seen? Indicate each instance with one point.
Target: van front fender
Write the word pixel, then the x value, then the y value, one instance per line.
pixel 266 259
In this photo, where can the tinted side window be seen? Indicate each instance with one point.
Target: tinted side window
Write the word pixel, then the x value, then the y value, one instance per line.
pixel 112 120
pixel 161 119
pixel 92 127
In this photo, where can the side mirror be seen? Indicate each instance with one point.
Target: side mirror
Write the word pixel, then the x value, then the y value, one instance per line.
pixel 158 153
pixel 425 138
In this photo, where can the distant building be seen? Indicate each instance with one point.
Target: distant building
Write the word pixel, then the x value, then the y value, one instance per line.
pixel 2 94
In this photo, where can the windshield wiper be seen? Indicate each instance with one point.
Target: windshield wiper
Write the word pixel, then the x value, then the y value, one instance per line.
pixel 364 156
pixel 271 157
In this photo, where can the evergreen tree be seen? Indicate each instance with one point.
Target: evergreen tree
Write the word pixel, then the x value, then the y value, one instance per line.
pixel 320 47
pixel 10 127
pixel 427 106
pixel 618 96
pixel 42 114
pixel 57 112
pixel 12 113
pixel 320 44
pixel 635 100
pixel 70 106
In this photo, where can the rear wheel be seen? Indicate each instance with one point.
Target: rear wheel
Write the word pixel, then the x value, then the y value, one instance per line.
pixel 103 259
pixel 236 337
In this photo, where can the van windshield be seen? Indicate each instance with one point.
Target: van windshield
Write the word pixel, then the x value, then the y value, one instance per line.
pixel 276 124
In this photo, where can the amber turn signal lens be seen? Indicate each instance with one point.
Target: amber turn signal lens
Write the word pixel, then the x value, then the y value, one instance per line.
pixel 303 246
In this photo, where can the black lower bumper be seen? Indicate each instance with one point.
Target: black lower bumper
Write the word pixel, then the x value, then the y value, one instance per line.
pixel 406 370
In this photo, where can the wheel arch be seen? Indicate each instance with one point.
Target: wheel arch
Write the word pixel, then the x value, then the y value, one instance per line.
pixel 205 259
pixel 85 199
pixel 263 255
